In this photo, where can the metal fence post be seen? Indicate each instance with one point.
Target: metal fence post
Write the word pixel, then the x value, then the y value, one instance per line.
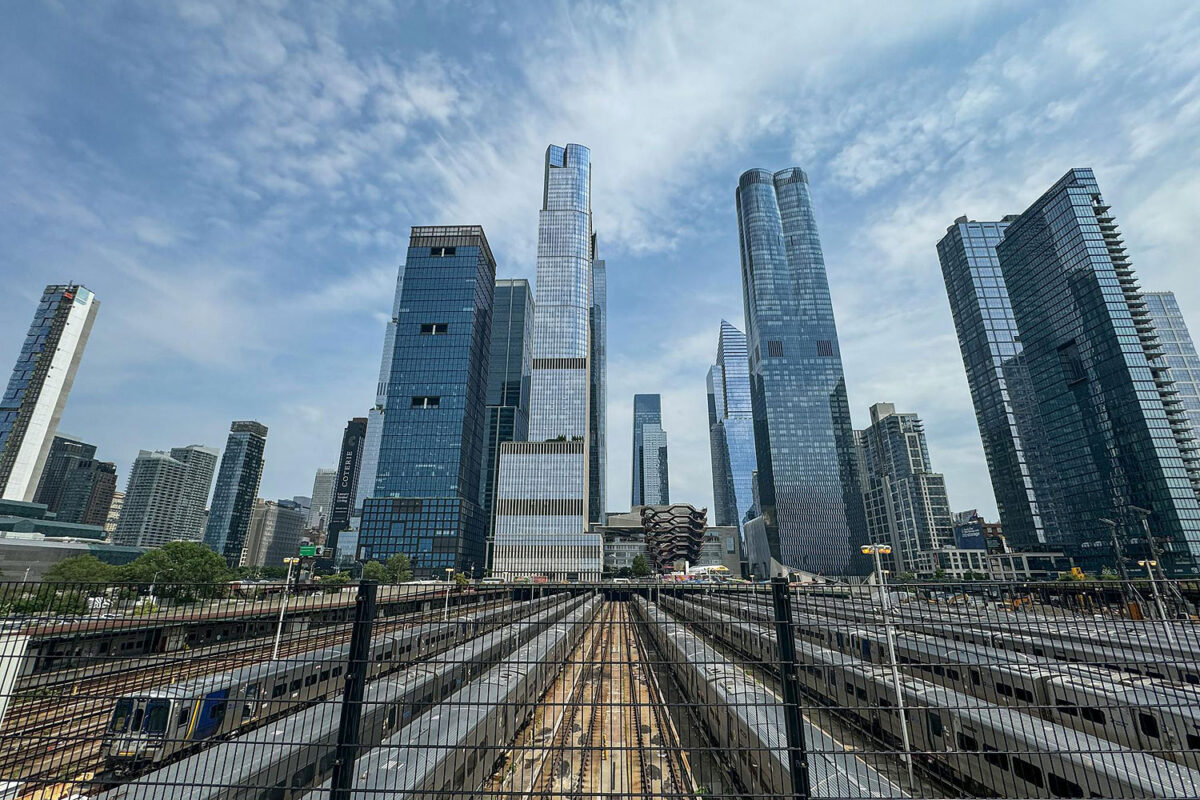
pixel 790 679
pixel 356 679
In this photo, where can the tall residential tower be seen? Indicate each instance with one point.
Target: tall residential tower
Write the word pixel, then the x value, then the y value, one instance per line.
pixel 37 391
pixel 165 497
pixel 810 502
pixel 237 488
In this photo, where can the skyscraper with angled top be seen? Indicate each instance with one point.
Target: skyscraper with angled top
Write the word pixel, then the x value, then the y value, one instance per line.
pixel 237 487
pixel 807 470
pixel 731 431
pixel 542 497
pixel 37 391
pixel 1123 449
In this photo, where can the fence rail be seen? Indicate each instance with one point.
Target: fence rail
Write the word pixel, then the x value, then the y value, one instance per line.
pixel 651 690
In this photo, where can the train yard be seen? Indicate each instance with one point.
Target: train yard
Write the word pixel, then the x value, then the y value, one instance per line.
pixel 594 691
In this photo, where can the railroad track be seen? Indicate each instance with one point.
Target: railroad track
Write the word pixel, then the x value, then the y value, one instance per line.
pixel 601 729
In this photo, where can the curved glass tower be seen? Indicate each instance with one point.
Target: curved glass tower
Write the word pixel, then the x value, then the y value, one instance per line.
pixel 808 486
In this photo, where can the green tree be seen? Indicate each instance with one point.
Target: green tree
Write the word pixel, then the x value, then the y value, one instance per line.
pixel 374 571
pixel 641 568
pixel 81 569
pixel 624 572
pixel 337 580
pixel 399 568
pixel 461 581
pixel 186 570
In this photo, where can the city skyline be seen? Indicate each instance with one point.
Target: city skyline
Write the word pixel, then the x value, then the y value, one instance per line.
pixel 879 220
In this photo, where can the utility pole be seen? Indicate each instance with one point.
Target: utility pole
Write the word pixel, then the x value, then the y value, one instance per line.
pixel 886 603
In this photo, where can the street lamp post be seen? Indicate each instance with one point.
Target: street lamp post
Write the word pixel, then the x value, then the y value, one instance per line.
pixel 1158 603
pixel 446 605
pixel 287 583
pixel 876 550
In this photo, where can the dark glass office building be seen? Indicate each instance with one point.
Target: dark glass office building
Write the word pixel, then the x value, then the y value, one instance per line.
pixel 427 500
pixel 1005 407
pixel 509 368
pixel 345 485
pixel 1113 425
pixel 237 487
pixel 598 401
pixel 807 473
pixel 647 410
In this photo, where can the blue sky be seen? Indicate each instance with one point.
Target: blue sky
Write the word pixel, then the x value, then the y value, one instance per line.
pixel 236 181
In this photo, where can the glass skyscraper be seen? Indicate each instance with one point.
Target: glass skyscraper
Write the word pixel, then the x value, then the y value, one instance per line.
pixel 509 372
pixel 731 431
pixel 650 478
pixel 1113 426
pixel 37 390
pixel 542 501
pixel 807 473
pixel 427 499
pixel 1178 350
pixel 598 403
pixel 905 499
pixel 237 489
pixel 1005 409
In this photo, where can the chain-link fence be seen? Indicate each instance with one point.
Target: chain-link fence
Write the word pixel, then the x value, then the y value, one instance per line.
pixel 618 690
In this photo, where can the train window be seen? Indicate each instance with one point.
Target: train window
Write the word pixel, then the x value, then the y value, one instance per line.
pixel 953 674
pixel 935 724
pixel 1153 674
pixel 975 678
pixel 157 712
pixel 1191 677
pixel 967 742
pixel 850 689
pixel 310 680
pixel 1193 741
pixel 184 713
pixel 996 759
pixel 337 671
pixel 294 686
pixel 1024 694
pixel 279 690
pixel 1093 715
pixel 939 670
pixel 860 693
pixel 1065 707
pixel 1061 787
pixel 1004 689
pixel 1027 772
pixel 324 675
pixel 1149 725
pixel 121 714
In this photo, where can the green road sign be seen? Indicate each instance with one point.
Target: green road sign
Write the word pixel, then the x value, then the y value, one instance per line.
pixel 308 551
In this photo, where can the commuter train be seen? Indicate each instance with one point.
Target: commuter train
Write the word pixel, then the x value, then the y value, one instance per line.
pixel 985 746
pixel 287 758
pixel 153 726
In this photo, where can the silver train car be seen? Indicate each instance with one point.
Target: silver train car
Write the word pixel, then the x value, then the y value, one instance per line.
pixel 746 718
pixel 153 726
pixel 1080 765
pixel 285 759
pixel 456 749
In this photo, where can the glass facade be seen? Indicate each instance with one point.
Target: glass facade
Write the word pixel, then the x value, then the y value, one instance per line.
pixel 598 403
pixel 40 382
pixel 427 499
pixel 655 479
pixel 905 500
pixel 1178 351
pixel 807 473
pixel 647 410
pixel 1005 408
pixel 731 431
pixel 540 513
pixel 509 370
pixel 236 490
pixel 1112 424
